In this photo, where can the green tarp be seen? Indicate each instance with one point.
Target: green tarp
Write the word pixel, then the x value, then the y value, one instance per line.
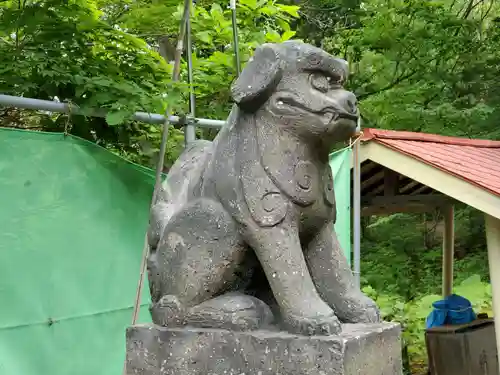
pixel 340 162
pixel 73 218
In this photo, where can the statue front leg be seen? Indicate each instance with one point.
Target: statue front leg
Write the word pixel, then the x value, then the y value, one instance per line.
pixel 334 280
pixel 280 254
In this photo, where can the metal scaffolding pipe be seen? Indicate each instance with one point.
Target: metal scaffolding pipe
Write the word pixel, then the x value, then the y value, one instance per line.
pixel 51 106
pixel 232 5
pixel 189 129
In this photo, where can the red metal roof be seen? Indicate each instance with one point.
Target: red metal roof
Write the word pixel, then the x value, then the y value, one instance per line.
pixel 476 161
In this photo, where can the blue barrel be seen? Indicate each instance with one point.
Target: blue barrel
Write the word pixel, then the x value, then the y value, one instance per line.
pixel 451 310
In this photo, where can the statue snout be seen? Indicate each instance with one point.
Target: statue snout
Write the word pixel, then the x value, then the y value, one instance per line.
pixel 348 102
pixel 343 103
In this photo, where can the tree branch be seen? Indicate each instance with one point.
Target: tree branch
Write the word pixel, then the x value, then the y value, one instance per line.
pixel 483 17
pixel 391 85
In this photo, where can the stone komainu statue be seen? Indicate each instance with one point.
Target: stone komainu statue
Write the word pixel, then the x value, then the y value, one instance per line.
pixel 242 233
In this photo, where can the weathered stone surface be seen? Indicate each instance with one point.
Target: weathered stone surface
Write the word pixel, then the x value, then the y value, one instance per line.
pixel 361 349
pixel 260 199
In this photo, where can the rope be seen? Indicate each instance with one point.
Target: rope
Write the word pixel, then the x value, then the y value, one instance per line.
pixel 357 138
pixel 352 141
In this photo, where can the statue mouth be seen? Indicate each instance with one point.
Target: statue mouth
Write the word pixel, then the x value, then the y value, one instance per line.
pixel 334 114
pixel 341 115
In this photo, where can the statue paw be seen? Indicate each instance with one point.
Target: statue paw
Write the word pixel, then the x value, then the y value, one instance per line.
pixel 315 325
pixel 368 311
pixel 234 311
pixel 360 309
pixel 372 314
pixel 168 311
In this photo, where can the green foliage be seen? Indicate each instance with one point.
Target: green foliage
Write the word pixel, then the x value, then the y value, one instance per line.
pixel 412 66
pixel 62 49
pixel 411 61
pixel 213 61
pixel 103 54
pixel 213 54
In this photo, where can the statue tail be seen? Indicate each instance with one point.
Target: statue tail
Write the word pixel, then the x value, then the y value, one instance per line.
pixel 177 189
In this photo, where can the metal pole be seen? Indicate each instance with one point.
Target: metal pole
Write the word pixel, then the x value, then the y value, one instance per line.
pixel 189 130
pixel 51 106
pixel 232 5
pixel 357 211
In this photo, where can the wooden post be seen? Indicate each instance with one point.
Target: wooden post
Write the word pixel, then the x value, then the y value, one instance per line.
pixel 493 243
pixel 391 181
pixel 448 249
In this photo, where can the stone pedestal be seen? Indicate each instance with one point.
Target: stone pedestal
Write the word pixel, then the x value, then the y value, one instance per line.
pixel 361 349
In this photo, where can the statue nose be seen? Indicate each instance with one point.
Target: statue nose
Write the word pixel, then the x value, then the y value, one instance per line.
pixel 349 102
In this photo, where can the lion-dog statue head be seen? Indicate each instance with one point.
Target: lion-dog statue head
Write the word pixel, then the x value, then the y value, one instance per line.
pixel 301 87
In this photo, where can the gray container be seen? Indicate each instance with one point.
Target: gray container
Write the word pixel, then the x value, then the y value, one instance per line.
pixel 467 349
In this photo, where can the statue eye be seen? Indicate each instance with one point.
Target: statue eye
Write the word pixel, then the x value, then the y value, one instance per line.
pixel 320 82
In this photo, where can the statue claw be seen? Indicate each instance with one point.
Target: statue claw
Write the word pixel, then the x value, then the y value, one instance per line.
pixel 322 325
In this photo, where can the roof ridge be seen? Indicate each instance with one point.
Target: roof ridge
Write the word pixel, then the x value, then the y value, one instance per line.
pixel 371 133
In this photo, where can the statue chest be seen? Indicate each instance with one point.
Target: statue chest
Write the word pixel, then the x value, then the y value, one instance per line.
pixel 272 179
pixel 295 167
pixel 310 185
pixel 304 183
pixel 309 190
pixel 319 207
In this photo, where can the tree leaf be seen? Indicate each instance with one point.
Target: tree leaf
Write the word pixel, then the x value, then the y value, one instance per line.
pixel 116 117
pixel 287 35
pixel 292 10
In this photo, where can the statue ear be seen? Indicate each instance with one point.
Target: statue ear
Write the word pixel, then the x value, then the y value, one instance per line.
pixel 258 79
